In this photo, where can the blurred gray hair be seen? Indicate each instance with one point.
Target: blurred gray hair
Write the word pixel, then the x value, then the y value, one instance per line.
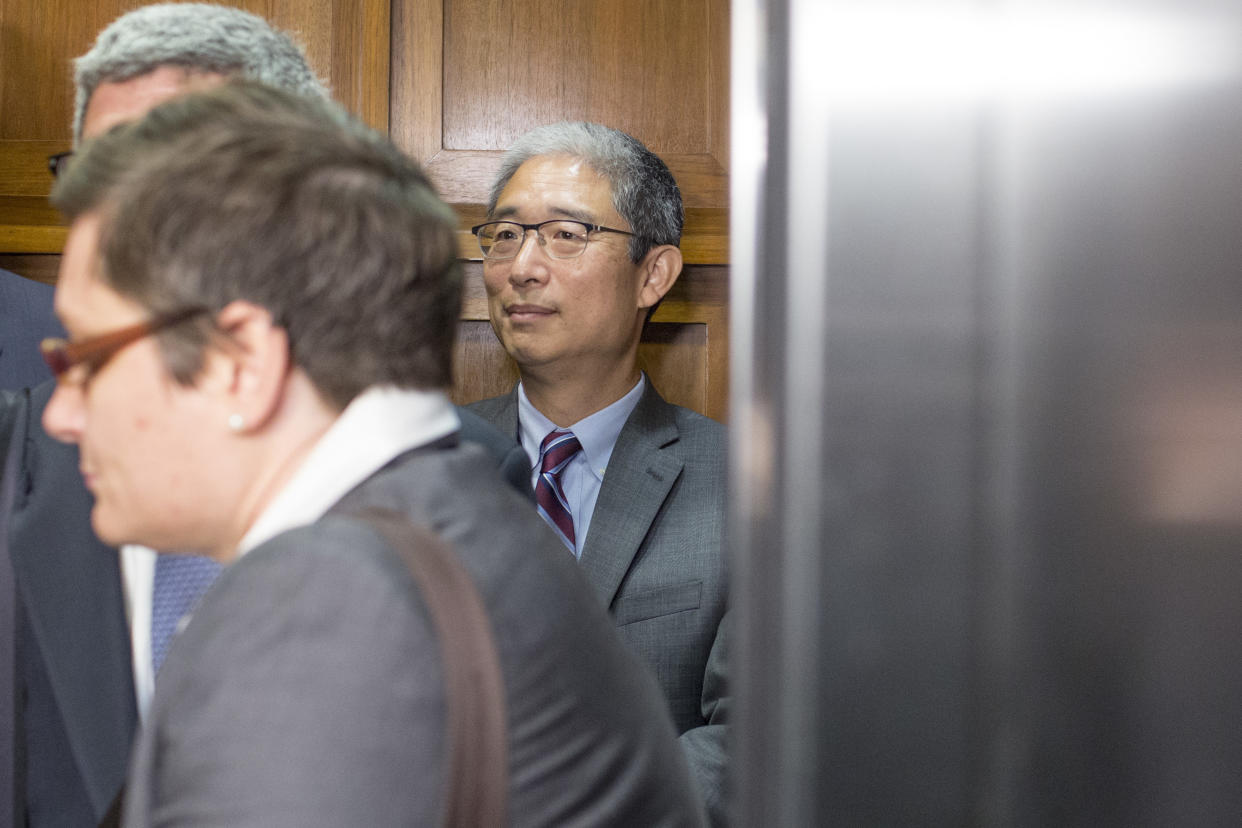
pixel 199 37
pixel 644 192
pixel 245 191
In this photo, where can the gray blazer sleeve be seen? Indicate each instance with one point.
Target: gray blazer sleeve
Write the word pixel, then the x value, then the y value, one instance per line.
pixel 705 746
pixel 301 647
pixel 511 459
pixel 655 553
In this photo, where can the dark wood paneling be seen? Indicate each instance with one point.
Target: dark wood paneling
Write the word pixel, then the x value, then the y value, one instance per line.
pixel 481 368
pixel 469 76
pixel 463 78
pixel 42 267
pixel 347 42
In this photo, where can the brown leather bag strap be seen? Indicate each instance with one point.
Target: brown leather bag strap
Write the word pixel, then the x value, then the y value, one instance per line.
pixel 477 770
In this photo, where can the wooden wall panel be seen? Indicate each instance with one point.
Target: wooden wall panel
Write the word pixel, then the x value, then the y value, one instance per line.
pixel 347 42
pixel 481 368
pixel 675 356
pixel 620 62
pixel 469 76
pixel 454 81
pixel 685 349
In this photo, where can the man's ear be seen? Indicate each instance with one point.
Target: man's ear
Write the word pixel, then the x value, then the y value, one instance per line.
pixel 661 267
pixel 249 367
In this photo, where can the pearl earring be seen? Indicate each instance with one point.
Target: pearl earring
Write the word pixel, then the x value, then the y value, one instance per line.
pixel 236 422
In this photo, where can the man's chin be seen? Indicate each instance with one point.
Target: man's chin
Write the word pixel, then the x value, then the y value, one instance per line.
pixel 108 529
pixel 528 352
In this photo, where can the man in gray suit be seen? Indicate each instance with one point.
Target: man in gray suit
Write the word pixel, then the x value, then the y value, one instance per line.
pixel 580 247
pixel 244 385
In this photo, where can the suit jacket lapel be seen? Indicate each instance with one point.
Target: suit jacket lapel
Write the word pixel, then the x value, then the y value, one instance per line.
pixel 639 477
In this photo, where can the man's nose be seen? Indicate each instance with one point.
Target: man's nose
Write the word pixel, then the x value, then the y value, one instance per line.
pixel 530 263
pixel 65 414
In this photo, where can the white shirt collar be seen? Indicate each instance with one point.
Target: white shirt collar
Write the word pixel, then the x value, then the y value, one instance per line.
pixel 597 433
pixel 375 427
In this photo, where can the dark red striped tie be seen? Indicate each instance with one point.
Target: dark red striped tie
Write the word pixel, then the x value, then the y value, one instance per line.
pixel 557 449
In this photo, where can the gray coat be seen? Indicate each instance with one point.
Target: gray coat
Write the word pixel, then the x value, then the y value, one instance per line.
pixel 66 636
pixel 25 318
pixel 307 688
pixel 655 557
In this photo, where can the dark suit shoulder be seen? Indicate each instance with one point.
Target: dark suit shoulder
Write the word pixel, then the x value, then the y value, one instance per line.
pixel 702 434
pixel 329 609
pixel 491 407
pixel 300 653
pixel 14 286
pixel 25 318
pixel 476 429
pixel 690 434
pixel 691 420
pixel 511 459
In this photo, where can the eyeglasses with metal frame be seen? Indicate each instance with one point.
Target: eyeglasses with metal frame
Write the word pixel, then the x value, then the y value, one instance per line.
pixel 89 355
pixel 560 238
pixel 59 162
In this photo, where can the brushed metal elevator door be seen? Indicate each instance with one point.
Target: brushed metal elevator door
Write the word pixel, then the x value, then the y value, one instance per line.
pixel 987 441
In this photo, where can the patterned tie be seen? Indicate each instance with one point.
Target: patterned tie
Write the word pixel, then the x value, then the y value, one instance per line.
pixel 180 580
pixel 557 449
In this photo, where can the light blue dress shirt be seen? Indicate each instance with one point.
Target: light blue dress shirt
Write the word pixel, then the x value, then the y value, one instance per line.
pixel 584 475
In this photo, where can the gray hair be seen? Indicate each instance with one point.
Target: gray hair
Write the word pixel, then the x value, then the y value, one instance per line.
pixel 644 192
pixel 199 37
pixel 247 192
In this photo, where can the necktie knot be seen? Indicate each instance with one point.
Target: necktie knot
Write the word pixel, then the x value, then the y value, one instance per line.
pixel 557 449
pixel 555 452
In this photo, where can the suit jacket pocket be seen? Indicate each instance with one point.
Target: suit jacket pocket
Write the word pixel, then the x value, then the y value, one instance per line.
pixel 654 603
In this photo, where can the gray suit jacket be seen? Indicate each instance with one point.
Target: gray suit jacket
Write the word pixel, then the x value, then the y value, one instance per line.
pixel 307 688
pixel 25 318
pixel 72 698
pixel 68 717
pixel 655 557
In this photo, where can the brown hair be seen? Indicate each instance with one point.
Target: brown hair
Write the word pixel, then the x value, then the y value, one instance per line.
pixel 249 192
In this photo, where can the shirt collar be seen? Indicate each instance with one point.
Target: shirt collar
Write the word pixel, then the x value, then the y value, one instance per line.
pixel 379 424
pixel 596 432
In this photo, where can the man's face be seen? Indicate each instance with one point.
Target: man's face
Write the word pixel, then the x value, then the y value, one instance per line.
pixel 145 440
pixel 125 418
pixel 113 103
pixel 585 313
